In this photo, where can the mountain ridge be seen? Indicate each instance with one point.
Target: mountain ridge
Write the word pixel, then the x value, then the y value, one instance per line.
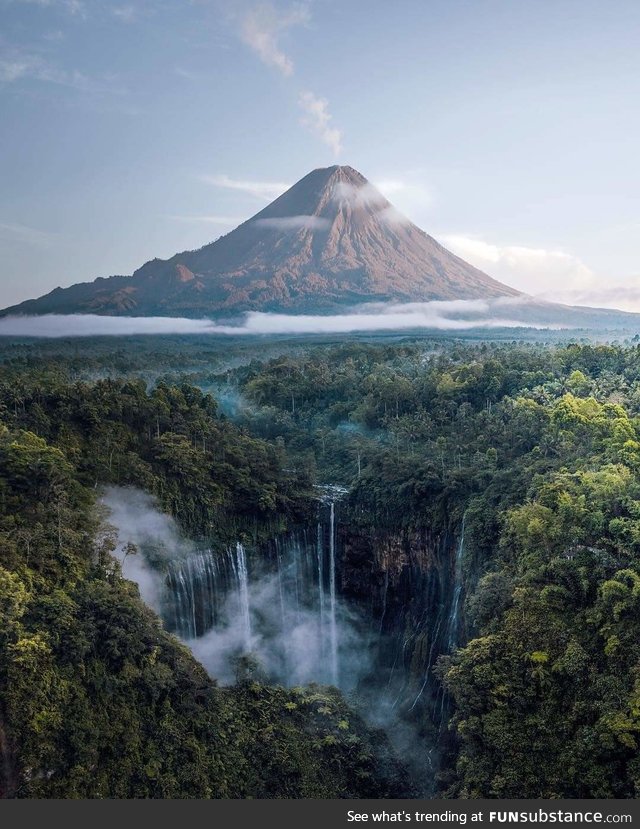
pixel 329 242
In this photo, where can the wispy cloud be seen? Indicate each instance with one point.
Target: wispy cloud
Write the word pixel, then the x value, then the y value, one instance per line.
pixel 18 65
pixel 74 7
pixel 318 120
pixel 262 27
pixel 410 195
pixel 188 74
pixel 10 231
pixel 13 70
pixel 391 216
pixel 366 195
pixel 54 36
pixel 227 221
pixel 126 14
pixel 258 189
pixel 294 223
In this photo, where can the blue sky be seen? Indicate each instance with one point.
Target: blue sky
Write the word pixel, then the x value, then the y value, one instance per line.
pixel 508 130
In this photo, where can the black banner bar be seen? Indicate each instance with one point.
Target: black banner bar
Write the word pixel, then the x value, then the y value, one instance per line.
pixel 331 814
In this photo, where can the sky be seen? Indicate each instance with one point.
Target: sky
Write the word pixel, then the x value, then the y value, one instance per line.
pixel 506 129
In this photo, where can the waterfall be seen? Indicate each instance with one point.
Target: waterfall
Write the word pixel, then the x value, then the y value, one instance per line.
pixel 454 613
pixel 320 561
pixel 197 588
pixel 282 603
pixel 194 586
pixel 333 627
pixel 243 585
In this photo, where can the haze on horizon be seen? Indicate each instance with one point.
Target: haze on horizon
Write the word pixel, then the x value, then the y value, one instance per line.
pixel 138 129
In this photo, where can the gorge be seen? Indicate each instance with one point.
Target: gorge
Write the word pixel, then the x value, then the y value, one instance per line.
pixel 318 604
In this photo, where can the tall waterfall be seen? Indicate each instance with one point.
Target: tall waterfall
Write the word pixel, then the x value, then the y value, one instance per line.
pixel 243 593
pixel 195 589
pixel 333 627
pixel 320 560
pixel 280 603
pixel 454 612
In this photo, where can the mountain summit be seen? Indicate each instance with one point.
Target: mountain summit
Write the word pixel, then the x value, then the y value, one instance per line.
pixel 330 241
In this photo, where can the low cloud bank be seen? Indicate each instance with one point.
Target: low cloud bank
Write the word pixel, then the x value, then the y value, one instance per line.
pixel 446 316
pixel 93 325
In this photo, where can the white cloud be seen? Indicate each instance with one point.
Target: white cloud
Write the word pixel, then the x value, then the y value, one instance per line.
pixel 392 216
pixel 548 274
pixel 537 271
pixel 449 316
pixel 17 65
pixel 188 74
pixel 126 14
pixel 410 197
pixel 92 325
pixel 75 7
pixel 231 221
pixel 258 189
pixel 369 196
pixel 318 120
pixel 294 223
pixel 54 36
pixel 261 28
pixel 13 70
pixel 25 234
pixel 72 6
pixel 365 195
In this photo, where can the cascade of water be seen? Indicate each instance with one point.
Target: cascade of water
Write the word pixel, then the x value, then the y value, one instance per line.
pixel 243 592
pixel 288 594
pixel 320 561
pixel 193 588
pixel 452 638
pixel 333 627
pixel 283 614
pixel 427 673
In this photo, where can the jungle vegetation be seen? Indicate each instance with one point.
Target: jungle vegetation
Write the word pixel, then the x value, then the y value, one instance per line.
pixel 538 446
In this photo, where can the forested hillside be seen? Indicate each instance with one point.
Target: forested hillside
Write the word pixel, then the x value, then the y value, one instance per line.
pixel 96 700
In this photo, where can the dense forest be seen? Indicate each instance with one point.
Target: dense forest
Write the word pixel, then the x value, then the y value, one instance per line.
pixel 491 526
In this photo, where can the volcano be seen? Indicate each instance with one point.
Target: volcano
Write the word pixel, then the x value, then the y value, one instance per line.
pixel 329 242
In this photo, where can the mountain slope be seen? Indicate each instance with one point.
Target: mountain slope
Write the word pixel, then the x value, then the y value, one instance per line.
pixel 330 241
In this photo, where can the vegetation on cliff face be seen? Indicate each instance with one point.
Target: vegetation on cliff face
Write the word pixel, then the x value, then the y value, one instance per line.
pixel 537 447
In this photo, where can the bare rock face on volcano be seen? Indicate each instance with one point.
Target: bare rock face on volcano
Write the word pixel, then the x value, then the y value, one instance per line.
pixel 330 241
